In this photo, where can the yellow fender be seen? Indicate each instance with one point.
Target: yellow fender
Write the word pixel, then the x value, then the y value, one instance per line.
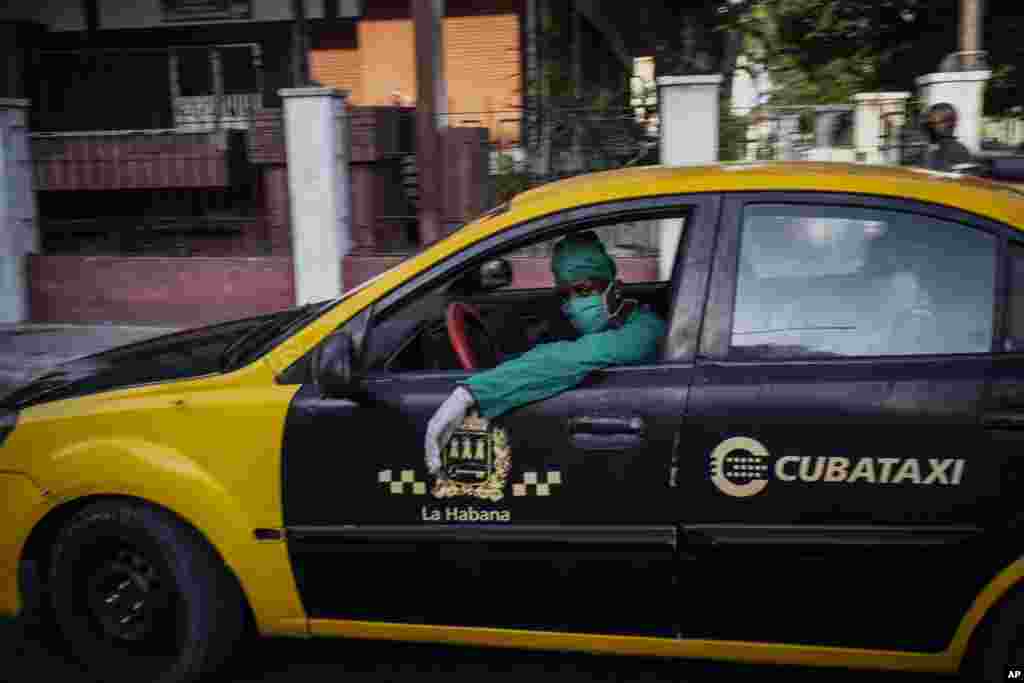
pixel 160 476
pixel 207 450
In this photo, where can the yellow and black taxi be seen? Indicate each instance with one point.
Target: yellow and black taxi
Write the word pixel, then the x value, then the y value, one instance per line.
pixel 823 466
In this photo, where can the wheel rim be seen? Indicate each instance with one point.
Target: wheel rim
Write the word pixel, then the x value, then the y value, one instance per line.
pixel 128 601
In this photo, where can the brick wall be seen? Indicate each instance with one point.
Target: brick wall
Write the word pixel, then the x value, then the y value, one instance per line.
pixel 192 291
pixel 358 268
pixel 527 272
pixel 178 291
pixel 536 272
pixel 466 177
pixel 274 189
pixel 130 162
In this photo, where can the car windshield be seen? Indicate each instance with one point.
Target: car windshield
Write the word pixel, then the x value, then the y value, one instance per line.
pixel 262 338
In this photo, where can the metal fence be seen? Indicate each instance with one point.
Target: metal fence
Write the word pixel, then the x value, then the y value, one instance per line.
pixel 787 133
pixel 184 87
pixel 890 134
pixel 1004 134
pixel 527 147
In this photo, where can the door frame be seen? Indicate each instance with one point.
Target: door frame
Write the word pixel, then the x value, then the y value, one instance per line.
pixel 693 257
pixel 687 290
pixel 840 538
pixel 718 317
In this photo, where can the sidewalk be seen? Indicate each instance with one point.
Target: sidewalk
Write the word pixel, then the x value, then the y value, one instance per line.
pixel 29 349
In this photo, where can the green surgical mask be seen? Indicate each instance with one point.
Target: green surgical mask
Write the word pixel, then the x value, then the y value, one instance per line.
pixel 587 313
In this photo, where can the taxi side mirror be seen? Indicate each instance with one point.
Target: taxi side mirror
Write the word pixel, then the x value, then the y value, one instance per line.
pixel 494 274
pixel 333 363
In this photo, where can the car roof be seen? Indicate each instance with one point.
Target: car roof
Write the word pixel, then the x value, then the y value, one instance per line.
pixel 990 199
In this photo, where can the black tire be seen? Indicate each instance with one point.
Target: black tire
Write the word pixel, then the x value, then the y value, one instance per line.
pixel 998 646
pixel 141 597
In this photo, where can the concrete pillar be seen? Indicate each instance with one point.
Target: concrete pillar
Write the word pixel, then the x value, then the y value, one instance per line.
pixel 787 129
pixel 688 119
pixel 871 109
pixel 317 146
pixel 431 103
pixel 826 118
pixel 18 230
pixel 964 90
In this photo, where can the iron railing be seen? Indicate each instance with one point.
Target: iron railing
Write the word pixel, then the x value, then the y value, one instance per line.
pixel 161 192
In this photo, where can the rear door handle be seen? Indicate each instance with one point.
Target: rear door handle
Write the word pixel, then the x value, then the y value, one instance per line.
pixel 1003 420
pixel 607 433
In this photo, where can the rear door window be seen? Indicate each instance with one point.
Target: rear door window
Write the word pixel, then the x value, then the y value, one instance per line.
pixel 852 281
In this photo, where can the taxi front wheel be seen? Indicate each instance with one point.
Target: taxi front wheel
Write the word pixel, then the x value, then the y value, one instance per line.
pixel 997 649
pixel 139 596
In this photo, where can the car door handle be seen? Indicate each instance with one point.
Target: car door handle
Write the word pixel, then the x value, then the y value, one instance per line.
pixel 1004 420
pixel 606 433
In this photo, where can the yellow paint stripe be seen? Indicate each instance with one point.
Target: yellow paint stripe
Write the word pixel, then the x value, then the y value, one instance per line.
pixel 732 651
pixel 989 595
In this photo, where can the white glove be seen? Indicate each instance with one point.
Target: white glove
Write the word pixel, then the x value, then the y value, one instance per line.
pixel 444 423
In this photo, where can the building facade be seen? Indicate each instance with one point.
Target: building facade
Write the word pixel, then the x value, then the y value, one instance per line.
pixel 156 133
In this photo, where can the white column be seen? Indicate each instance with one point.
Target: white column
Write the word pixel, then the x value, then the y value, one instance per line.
pixel 825 119
pixel 872 109
pixel 18 231
pixel 963 90
pixel 788 129
pixel 688 118
pixel 316 143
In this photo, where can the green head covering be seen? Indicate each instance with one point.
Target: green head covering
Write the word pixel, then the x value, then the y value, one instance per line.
pixel 581 257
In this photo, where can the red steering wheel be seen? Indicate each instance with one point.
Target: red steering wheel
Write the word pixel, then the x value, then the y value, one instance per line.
pixel 470 338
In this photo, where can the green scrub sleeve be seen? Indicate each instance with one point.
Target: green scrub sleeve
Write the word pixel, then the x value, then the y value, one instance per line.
pixel 549 369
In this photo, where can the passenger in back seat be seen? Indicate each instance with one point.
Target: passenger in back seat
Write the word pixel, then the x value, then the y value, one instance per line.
pixel 904 313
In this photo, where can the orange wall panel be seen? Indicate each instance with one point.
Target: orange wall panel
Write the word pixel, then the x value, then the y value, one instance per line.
pixel 387 54
pixel 338 67
pixel 482 63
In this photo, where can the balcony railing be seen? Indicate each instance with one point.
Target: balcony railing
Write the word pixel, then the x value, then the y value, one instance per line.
pixel 202 154
pixel 227 111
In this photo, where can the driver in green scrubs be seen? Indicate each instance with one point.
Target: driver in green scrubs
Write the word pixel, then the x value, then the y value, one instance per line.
pixel 613 331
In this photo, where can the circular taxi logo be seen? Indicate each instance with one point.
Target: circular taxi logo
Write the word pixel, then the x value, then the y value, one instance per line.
pixel 739 466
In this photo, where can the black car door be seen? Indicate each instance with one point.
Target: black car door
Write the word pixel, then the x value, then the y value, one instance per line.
pixel 832 461
pixel 559 514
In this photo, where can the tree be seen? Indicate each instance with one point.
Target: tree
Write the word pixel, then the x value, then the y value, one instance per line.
pixel 820 51
pixel 1002 27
